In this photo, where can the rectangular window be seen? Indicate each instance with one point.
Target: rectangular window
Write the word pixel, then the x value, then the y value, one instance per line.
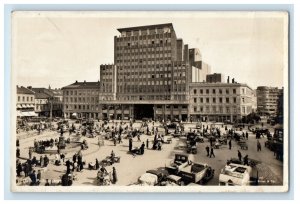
pixel 227 91
pixel 201 100
pixel 27 98
pixel 214 91
pixel 201 91
pixel 227 100
pixel 214 100
pixel 234 100
pixel 195 108
pixel 207 91
pixel 207 100
pixel 18 98
pixel 220 91
pixel 195 91
pixel 220 100
pixel 234 91
pixel 195 100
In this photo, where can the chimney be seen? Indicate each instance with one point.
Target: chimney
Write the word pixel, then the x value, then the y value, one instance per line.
pixel 76 82
pixel 228 80
pixel 233 80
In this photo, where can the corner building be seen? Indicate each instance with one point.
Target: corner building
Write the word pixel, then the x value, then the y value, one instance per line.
pixel 149 77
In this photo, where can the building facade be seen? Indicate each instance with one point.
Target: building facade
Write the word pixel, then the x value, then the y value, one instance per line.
pixel 25 102
pixel 268 99
pixel 154 75
pixel 81 100
pixel 219 101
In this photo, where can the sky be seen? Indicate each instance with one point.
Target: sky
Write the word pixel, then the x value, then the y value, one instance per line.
pixel 56 49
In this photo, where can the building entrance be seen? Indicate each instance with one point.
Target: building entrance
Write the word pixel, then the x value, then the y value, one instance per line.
pixel 143 111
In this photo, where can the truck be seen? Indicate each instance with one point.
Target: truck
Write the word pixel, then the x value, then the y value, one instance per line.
pixel 235 175
pixel 180 161
pixel 198 173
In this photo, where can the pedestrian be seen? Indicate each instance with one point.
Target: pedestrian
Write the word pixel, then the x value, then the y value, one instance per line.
pixel 62 157
pixel 30 153
pixel 207 150
pixel 18 152
pixel 19 169
pixel 46 161
pixel 114 176
pixel 47 182
pixel 74 158
pixel 18 143
pixel 246 160
pixel 142 148
pixel 159 145
pixel 258 146
pixel 39 175
pixel 147 143
pixel 240 155
pixel 247 135
pixel 97 164
pixel 41 161
pixel 229 143
pixel 130 144
pixel 212 152
pixel 211 141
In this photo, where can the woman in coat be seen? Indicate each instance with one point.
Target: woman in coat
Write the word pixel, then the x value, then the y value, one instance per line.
pixel 114 176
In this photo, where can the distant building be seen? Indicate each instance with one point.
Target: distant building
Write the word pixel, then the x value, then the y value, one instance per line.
pixel 81 100
pixel 219 101
pixel 268 99
pixel 25 102
pixel 214 78
pixel 47 101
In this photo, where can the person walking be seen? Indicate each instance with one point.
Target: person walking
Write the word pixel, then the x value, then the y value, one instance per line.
pixel 207 150
pixel 114 176
pixel 142 148
pixel 212 152
pixel 130 144
pixel 258 146
pixel 240 155
pixel 247 135
pixel 147 143
pixel 246 162
pixel 18 152
pixel 97 164
pixel 229 143
pixel 30 153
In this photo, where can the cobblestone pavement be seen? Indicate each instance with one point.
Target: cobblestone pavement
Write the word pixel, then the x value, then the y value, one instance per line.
pixel 131 167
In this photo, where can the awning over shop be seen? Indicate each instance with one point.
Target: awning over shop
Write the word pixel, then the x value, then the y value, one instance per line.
pixel 74 114
pixel 29 114
pixel 19 106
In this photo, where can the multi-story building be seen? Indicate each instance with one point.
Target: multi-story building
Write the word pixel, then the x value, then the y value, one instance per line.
pixel 154 75
pixel 25 102
pixel 219 101
pixel 150 75
pixel 268 99
pixel 81 99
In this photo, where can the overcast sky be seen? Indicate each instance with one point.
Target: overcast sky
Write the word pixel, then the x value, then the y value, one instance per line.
pixel 58 48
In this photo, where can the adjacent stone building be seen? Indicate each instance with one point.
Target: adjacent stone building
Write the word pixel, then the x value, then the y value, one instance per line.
pixel 219 101
pixel 25 102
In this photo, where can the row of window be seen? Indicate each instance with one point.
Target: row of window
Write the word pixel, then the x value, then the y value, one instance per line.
pixel 81 99
pixel 215 100
pixel 85 92
pixel 215 109
pixel 213 91
pixel 25 99
pixel 146 50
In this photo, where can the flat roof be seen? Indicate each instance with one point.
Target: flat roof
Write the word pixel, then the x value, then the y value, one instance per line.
pixel 144 27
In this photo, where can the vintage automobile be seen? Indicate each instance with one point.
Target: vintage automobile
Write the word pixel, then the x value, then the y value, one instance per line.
pixel 235 175
pixel 196 173
pixel 198 126
pixel 194 136
pixel 155 177
pixel 178 163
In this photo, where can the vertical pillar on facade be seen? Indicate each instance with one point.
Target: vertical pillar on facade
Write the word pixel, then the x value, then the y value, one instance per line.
pixel 115 113
pixel 100 116
pixel 164 112
pixel 154 112
pixel 172 115
pixel 122 111
pixel 179 112
pixel 188 113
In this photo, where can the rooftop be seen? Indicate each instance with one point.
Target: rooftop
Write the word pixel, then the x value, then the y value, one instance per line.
pixel 145 27
pixel 78 85
pixel 23 90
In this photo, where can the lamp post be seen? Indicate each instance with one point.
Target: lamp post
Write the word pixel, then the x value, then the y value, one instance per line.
pixel 51 107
